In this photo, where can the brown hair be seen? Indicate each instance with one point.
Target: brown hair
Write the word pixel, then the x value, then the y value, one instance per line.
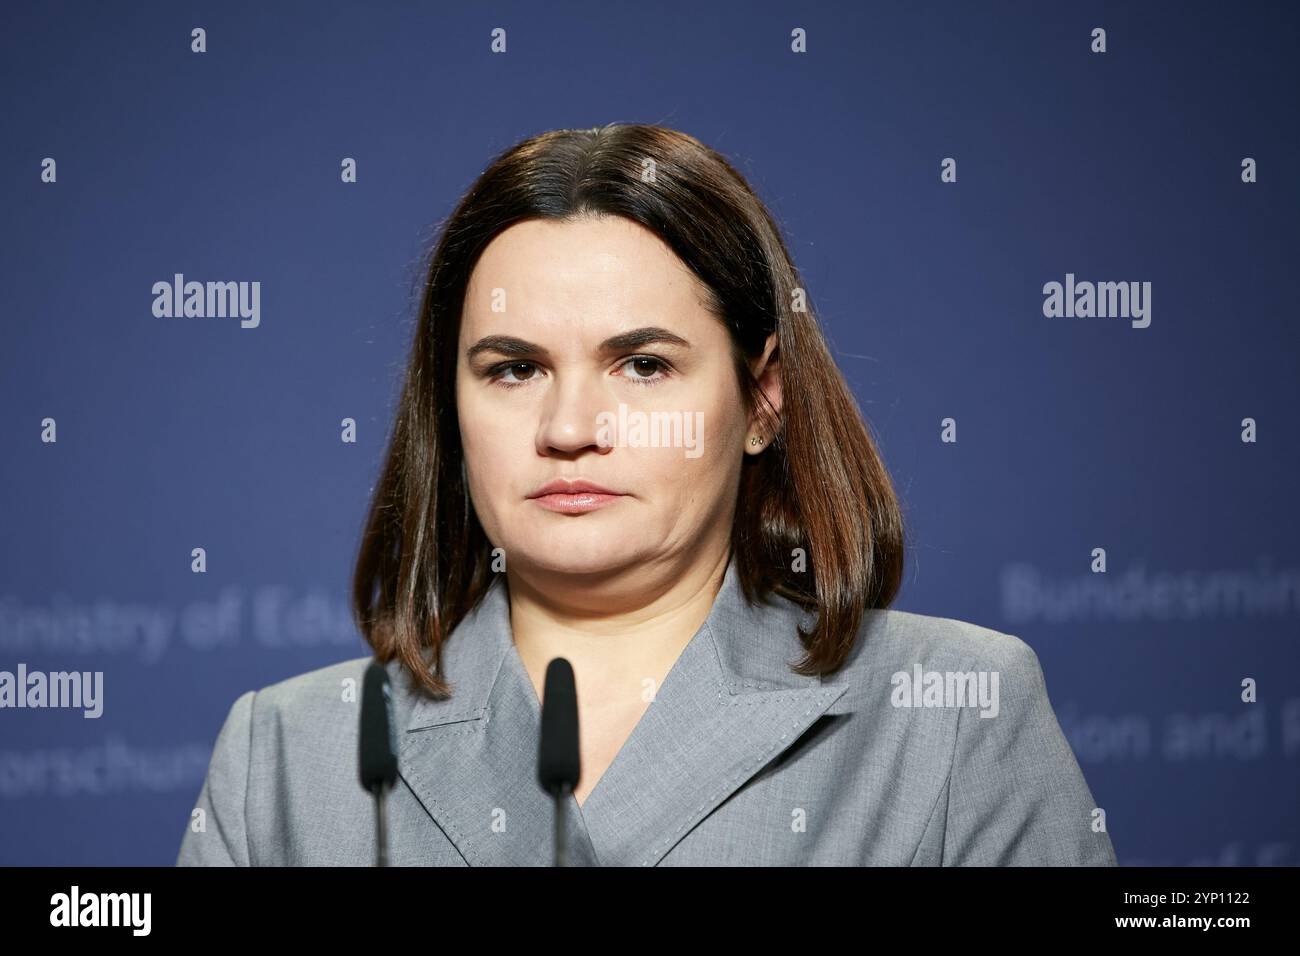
pixel 424 561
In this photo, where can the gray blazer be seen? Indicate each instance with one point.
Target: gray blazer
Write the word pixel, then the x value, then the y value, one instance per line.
pixel 737 761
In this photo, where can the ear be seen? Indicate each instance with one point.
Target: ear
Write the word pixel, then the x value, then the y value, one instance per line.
pixel 767 369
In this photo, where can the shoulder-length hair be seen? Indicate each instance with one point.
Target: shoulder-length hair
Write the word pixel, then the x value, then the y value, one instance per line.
pixel 817 519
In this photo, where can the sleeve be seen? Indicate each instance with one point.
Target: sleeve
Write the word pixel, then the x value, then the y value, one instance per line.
pixel 1016 795
pixel 218 836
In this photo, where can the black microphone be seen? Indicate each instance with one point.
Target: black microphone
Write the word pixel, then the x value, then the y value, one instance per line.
pixel 558 764
pixel 378 749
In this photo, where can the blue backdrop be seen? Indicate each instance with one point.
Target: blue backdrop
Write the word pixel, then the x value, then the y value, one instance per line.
pixel 1072 433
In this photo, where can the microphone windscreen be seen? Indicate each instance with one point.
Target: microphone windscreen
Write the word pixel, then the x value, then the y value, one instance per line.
pixel 378 744
pixel 557 762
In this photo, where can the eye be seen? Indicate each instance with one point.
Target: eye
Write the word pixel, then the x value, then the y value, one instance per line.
pixel 640 369
pixel 646 369
pixel 522 372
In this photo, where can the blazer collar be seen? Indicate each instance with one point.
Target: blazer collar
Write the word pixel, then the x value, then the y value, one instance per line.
pixel 729 706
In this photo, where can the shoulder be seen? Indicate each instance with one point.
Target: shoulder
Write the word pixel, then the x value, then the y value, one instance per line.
pixel 314 690
pixel 905 636
pixel 278 759
pixel 301 706
pixel 892 643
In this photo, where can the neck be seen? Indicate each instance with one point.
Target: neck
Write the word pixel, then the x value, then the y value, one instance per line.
pixel 618 630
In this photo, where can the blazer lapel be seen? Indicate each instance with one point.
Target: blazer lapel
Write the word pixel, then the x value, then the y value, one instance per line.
pixel 729 706
pixel 471 759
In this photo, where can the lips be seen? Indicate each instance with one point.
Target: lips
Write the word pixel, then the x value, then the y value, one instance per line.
pixel 565 486
pixel 574 497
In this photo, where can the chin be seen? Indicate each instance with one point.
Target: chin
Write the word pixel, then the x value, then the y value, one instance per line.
pixel 561 557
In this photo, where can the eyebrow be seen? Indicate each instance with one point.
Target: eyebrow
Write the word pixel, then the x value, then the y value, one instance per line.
pixel 512 346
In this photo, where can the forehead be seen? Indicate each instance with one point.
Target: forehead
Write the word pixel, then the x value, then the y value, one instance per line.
pixel 604 273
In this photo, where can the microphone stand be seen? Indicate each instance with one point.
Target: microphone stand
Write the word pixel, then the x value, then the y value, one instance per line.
pixel 381 826
pixel 561 844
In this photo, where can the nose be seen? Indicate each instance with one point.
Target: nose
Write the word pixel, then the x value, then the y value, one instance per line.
pixel 571 417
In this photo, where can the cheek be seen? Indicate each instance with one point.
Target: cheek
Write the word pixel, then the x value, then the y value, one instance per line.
pixel 694 478
pixel 491 442
pixel 724 424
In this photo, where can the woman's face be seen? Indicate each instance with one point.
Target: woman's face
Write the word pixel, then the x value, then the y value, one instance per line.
pixel 546 390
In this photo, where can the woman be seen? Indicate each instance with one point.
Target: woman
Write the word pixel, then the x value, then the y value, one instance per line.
pixel 622 441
